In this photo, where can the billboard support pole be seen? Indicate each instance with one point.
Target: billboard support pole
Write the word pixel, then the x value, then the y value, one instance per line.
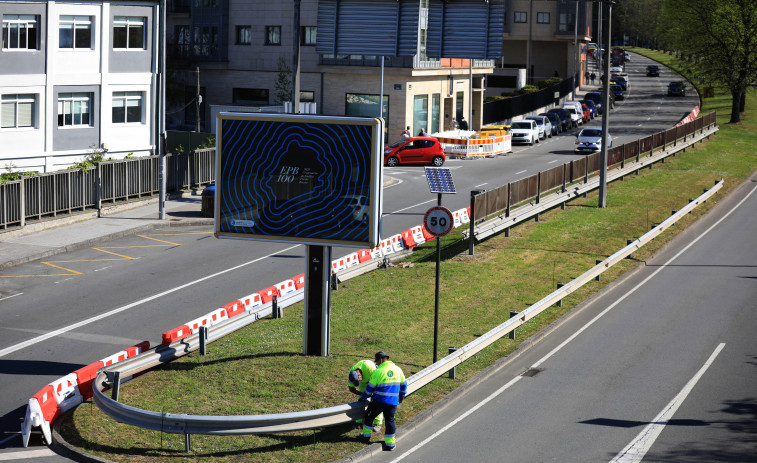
pixel 316 320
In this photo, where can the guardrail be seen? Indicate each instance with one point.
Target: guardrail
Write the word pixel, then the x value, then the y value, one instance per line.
pixel 48 195
pixel 294 421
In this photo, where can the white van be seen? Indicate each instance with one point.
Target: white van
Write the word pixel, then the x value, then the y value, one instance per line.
pixel 577 113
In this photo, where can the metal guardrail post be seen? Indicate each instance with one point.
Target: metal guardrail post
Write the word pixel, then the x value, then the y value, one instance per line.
pixel 275 311
pixel 203 340
pixel 187 442
pixel 512 333
pixel 560 285
pixel 22 202
pixel 450 350
pixel 99 189
pixel 116 385
pixel 597 262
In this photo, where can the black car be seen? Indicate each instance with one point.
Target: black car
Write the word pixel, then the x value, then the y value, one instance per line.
pixel 618 91
pixel 565 121
pixel 676 88
pixel 653 71
pixel 620 80
pixel 596 97
pixel 554 119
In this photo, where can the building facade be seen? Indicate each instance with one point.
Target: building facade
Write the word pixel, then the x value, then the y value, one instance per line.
pixel 76 77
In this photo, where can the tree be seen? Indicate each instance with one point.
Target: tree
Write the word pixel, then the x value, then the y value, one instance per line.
pixel 283 85
pixel 720 37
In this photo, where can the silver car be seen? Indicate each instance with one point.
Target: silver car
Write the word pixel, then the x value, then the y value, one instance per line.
pixel 589 140
pixel 545 127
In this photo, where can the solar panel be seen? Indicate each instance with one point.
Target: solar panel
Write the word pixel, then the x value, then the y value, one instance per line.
pixel 440 180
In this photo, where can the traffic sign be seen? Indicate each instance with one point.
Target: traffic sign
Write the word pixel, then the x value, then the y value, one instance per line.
pixel 438 221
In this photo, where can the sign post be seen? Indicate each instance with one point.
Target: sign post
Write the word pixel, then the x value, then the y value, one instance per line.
pixel 438 221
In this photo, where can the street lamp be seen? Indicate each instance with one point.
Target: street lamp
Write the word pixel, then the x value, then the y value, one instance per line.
pixel 606 111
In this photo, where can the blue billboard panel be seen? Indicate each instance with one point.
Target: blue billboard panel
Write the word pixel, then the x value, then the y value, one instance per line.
pixel 299 178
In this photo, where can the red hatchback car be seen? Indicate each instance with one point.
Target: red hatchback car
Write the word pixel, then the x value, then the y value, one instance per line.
pixel 415 150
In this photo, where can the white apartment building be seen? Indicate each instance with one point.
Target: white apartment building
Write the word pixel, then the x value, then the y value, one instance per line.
pixel 76 76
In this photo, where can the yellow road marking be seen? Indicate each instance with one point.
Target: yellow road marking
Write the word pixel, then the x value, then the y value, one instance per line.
pixel 104 249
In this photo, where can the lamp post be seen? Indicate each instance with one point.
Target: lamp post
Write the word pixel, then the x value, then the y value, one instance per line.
pixel 605 112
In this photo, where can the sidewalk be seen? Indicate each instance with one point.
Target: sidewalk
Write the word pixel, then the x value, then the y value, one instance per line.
pixel 47 238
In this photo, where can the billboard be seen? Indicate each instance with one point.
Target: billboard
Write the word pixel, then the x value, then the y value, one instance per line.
pixel 299 178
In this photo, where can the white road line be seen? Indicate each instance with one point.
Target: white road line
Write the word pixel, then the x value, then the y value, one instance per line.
pixel 410 207
pixel 640 445
pixel 459 418
pixel 27 454
pixel 8 297
pixel 522 171
pixel 481 184
pixel 552 162
pixel 65 329
pixel 577 333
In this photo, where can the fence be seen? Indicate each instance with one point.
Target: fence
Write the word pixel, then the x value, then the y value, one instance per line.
pixel 506 196
pixel 52 194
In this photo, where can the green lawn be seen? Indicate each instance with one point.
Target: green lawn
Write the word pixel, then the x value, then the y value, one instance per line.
pixel 260 369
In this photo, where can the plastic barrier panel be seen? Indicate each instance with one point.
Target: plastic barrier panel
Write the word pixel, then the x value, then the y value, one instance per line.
pixel 376 253
pixel 67 394
pixel 115 358
pixel 386 247
pixel 457 217
pixel 180 332
pixel 464 216
pixel 351 260
pixel 85 376
pixel 286 287
pixel 338 264
pixel 137 349
pixel 41 411
pixel 299 281
pixel 217 316
pixel 418 234
pixel 407 239
pixel 253 300
pixel 364 255
pixel 195 324
pixel 234 308
pixel 397 245
pixel 268 293
pixel 428 236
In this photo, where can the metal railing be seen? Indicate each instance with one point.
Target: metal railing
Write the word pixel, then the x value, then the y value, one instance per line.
pixel 310 419
pixel 49 195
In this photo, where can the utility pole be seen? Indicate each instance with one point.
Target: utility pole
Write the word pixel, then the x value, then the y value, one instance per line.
pixel 296 59
pixel 605 114
pixel 198 100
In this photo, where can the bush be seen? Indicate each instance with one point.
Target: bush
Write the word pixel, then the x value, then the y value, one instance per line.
pixel 526 89
pixel 96 156
pixel 546 83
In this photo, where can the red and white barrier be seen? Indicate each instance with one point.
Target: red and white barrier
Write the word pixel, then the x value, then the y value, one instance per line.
pixel 286 287
pixel 115 358
pixel 217 316
pixel 180 332
pixel 234 308
pixel 386 247
pixel 41 411
pixel 351 260
pixel 299 281
pixel 251 301
pixel 376 253
pixel 195 324
pixel 690 117
pixel 418 237
pixel 268 293
pixel 407 239
pixel 338 265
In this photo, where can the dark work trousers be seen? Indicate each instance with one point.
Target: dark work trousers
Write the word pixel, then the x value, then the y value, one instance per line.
pixel 376 408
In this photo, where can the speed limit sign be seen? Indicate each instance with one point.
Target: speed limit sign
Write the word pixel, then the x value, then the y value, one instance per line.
pixel 438 221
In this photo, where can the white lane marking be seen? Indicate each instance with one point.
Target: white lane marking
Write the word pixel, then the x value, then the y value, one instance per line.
pixel 410 207
pixel 640 445
pixel 104 268
pixel 522 171
pixel 14 295
pixel 52 334
pixel 61 281
pixel 552 162
pixel 459 418
pixel 481 184
pixel 27 454
pixel 581 330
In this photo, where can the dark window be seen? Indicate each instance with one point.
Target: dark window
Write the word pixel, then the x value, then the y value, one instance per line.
pixel 20 32
pixel 244 35
pixel 273 35
pixel 520 17
pixel 542 18
pixel 129 32
pixel 307 97
pixel 250 96
pixel 205 41
pixel 127 107
pixel 75 32
pixel 182 40
pixel 307 35
pixel 74 109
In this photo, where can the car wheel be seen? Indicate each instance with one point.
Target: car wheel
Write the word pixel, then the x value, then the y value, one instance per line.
pixel 438 161
pixel 392 162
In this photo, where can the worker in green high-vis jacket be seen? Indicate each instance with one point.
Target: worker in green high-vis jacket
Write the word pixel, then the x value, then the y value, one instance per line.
pixel 386 389
pixel 358 378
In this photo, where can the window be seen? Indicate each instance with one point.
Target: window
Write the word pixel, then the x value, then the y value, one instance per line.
pixel 250 96
pixel 307 35
pixel 18 111
pixel 182 41
pixel 20 32
pixel 75 32
pixel 244 35
pixel 127 107
pixel 520 17
pixel 542 18
pixel 205 41
pixel 307 96
pixel 273 35
pixel 74 109
pixel 129 32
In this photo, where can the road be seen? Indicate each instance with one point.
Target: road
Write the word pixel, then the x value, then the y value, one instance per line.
pixel 98 301
pixel 661 366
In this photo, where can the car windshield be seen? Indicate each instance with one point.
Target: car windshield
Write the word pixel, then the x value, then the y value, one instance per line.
pixel 397 143
pixel 521 125
pixel 590 133
pixel 538 120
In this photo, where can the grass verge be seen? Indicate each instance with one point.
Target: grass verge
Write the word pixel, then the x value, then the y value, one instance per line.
pixel 260 369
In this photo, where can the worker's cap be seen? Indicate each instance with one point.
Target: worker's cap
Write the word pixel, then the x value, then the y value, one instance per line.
pixel 380 355
pixel 353 379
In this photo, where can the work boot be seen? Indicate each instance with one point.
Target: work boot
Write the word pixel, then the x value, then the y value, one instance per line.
pixel 388 447
pixel 364 439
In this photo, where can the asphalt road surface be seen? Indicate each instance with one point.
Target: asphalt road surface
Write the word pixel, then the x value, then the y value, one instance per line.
pixel 102 300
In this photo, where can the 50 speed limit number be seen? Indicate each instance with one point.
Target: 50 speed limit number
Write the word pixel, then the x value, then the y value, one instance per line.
pixel 438 221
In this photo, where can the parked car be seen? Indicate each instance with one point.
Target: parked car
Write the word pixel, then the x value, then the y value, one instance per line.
pixel 618 91
pixel 620 80
pixel 554 119
pixel 576 118
pixel 415 150
pixel 616 68
pixel 589 140
pixel 524 131
pixel 625 76
pixel 627 56
pixel 676 88
pixel 596 97
pixel 653 71
pixel 592 107
pixel 565 121
pixel 545 127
